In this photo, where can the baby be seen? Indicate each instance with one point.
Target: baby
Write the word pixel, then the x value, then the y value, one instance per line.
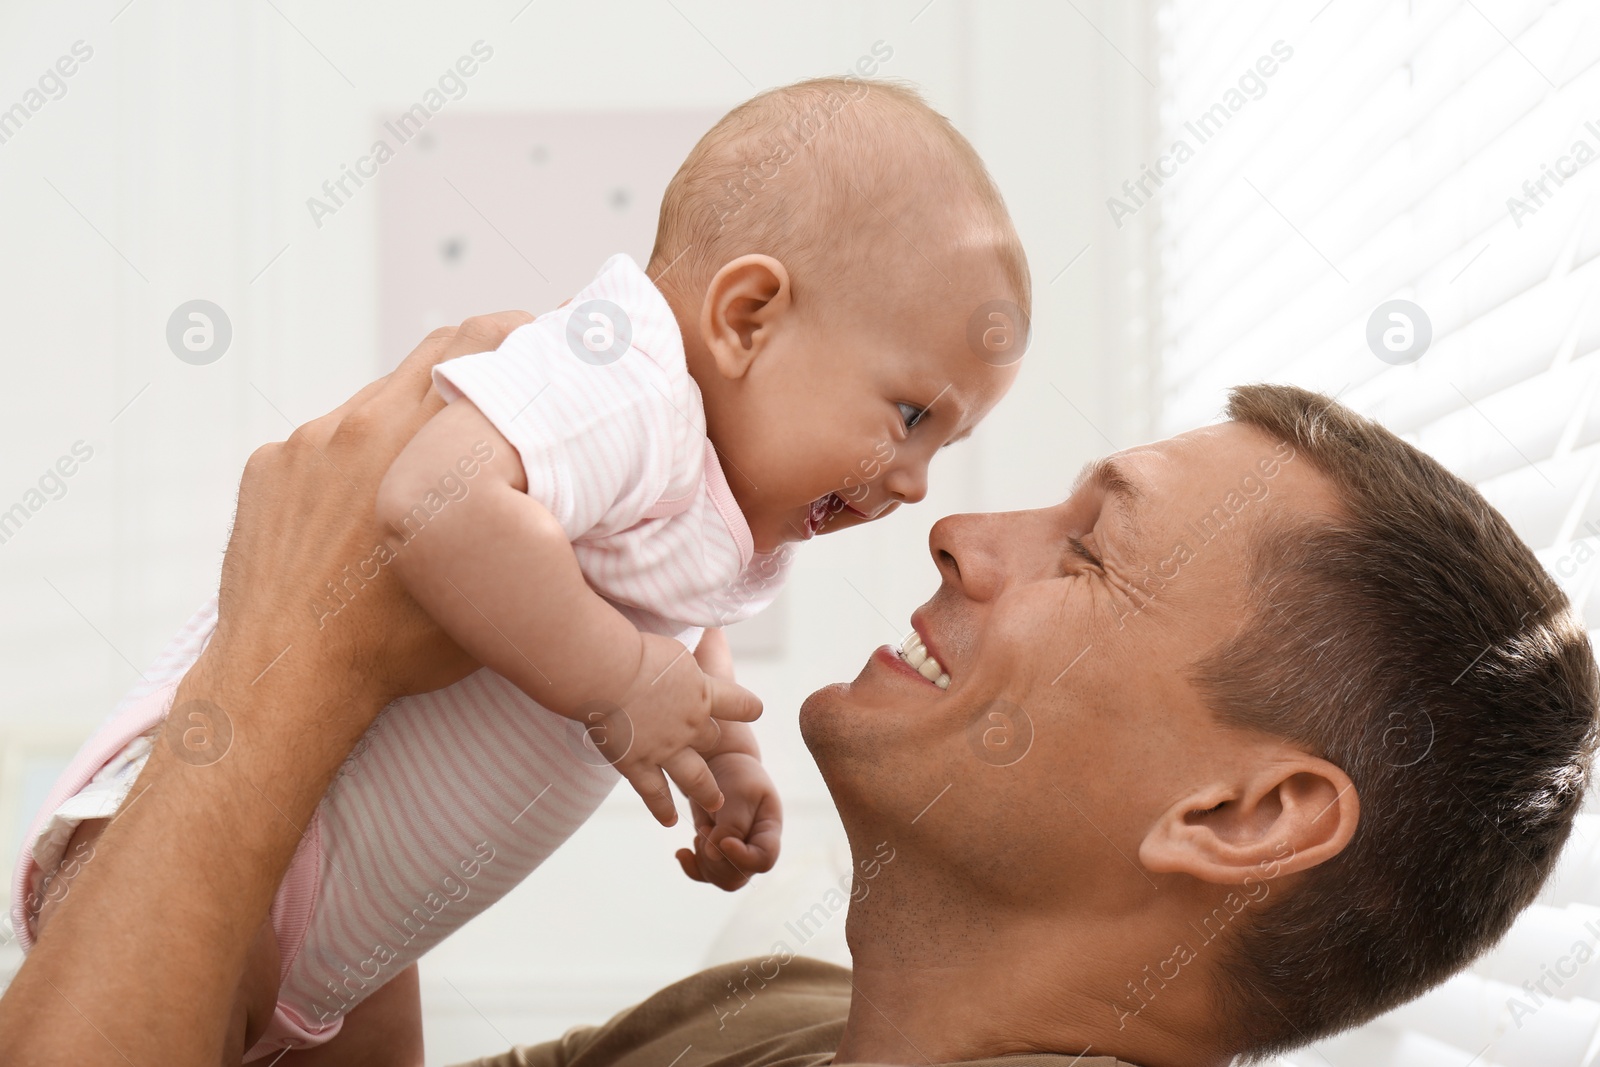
pixel 836 292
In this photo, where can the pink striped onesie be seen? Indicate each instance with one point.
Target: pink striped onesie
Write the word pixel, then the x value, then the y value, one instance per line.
pixel 452 798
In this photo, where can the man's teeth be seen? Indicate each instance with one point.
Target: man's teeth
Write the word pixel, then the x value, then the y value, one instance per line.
pixel 915 653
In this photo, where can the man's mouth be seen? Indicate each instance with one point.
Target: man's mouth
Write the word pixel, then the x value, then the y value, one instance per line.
pixel 915 653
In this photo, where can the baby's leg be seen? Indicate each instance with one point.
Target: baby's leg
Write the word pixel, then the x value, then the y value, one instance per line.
pixel 258 988
pixel 385 1030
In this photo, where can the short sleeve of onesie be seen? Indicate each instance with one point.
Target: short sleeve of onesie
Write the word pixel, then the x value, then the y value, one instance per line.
pixel 597 439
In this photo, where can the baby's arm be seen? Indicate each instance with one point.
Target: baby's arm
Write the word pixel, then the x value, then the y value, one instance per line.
pixel 742 838
pixel 495 569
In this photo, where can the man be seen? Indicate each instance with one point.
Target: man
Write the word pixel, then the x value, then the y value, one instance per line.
pixel 1267 728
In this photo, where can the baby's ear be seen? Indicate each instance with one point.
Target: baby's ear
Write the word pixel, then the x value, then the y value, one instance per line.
pixel 743 305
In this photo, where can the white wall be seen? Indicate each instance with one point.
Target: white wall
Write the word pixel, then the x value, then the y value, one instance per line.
pixel 177 166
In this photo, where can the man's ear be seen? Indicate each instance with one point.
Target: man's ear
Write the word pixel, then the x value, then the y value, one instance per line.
pixel 1287 814
pixel 742 305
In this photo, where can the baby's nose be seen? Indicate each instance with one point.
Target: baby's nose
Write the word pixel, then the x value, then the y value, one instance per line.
pixel 907 485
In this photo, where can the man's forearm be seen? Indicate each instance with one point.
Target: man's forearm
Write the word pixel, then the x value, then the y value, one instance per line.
pixel 210 844
pixel 141 962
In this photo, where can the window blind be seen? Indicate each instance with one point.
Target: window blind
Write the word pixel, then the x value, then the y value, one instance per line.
pixel 1316 160
pixel 1446 153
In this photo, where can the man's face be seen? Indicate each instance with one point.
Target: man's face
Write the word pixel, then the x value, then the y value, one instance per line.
pixel 1069 723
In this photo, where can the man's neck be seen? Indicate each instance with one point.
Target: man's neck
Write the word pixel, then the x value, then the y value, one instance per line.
pixel 933 985
pixel 908 1014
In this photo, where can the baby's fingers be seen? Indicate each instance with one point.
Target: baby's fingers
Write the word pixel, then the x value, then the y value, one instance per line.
pixel 719 865
pixel 708 737
pixel 690 864
pixel 732 702
pixel 688 768
pixel 766 834
pixel 651 785
pixel 755 856
pixel 751 846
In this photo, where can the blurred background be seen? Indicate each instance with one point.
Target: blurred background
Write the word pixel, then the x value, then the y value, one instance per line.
pixel 1387 201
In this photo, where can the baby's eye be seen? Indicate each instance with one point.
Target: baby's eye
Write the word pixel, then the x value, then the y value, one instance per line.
pixel 911 414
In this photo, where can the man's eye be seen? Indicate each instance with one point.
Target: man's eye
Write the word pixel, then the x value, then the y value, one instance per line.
pixel 1082 550
pixel 911 414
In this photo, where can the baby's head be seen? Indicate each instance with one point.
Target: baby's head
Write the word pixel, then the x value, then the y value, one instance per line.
pixel 852 297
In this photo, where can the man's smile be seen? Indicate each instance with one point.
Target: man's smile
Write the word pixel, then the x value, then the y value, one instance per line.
pixel 914 656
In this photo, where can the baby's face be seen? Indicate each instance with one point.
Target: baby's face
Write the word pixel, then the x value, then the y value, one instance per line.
pixel 847 410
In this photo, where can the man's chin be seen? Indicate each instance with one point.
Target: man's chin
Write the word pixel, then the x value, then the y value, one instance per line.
pixel 839 729
pixel 868 720
pixel 850 748
pixel 818 711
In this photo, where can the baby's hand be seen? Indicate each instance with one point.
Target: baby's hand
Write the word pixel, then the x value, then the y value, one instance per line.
pixel 741 838
pixel 669 711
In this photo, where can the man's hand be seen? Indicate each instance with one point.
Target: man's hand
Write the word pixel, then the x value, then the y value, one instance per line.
pixel 669 711
pixel 212 842
pixel 741 838
pixel 306 519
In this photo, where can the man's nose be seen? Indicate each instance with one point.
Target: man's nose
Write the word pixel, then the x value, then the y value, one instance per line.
pixel 983 554
pixel 969 551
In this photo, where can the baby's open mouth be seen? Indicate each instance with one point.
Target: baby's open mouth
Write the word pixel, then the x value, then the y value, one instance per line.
pixel 823 509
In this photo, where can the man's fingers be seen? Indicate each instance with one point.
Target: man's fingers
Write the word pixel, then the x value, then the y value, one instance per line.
pixel 481 333
pixel 362 395
pixel 319 431
pixel 688 768
pixel 651 785
pixel 732 702
pixel 404 397
pixel 398 396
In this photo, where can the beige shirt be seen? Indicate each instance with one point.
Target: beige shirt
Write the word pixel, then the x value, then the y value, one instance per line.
pixel 732 1016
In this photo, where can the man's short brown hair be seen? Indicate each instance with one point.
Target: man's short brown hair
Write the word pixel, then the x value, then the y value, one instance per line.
pixel 1416 643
